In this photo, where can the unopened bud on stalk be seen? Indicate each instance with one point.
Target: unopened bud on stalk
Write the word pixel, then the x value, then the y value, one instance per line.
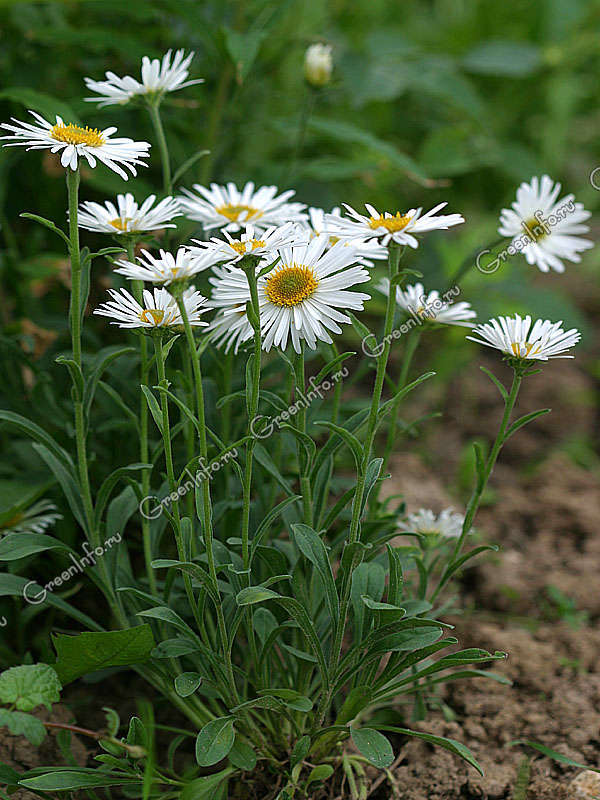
pixel 318 64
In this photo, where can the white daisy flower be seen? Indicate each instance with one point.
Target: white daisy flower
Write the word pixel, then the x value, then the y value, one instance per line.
pixel 228 208
pixel 447 524
pixel 167 267
pixel 126 216
pixel 516 338
pixel 262 244
pixel 35 519
pixel 545 229
pixel 159 309
pixel 301 297
pixel 158 77
pixel 426 306
pixel 322 224
pixel 75 142
pixel 399 228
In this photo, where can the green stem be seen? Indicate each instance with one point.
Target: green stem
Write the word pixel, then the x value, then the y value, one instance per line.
pixel 412 343
pixel 138 288
pixel 394 255
pixel 75 315
pixel 159 131
pixel 482 481
pixel 305 487
pixel 205 491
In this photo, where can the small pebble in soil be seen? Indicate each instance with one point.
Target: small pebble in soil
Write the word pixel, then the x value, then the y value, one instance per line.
pixel 585 786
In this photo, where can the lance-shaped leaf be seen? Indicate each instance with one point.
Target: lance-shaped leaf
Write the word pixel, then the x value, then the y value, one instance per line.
pixel 311 546
pixel 452 745
pixel 88 652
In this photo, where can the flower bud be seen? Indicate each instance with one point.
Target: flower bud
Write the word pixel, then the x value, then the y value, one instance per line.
pixel 318 64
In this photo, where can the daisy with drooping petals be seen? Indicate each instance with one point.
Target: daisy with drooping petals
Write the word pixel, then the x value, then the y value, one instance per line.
pixel 159 309
pixel 515 337
pixel 75 142
pixel 543 228
pixel 448 524
pixel 426 306
pixel 167 268
pixel 322 224
pixel 158 76
pixel 399 228
pixel 300 299
pixel 126 217
pixel 262 244
pixel 228 208
pixel 35 519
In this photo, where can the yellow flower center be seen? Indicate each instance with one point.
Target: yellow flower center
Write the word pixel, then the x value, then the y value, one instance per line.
pixel 152 315
pixel 234 212
pixel 76 134
pixel 242 247
pixel 391 224
pixel 535 229
pixel 121 223
pixel 290 286
pixel 531 348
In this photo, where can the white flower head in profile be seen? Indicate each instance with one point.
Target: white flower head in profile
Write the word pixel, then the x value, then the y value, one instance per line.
pixel 261 244
pixel 231 209
pixel 126 217
pixel 158 77
pixel 74 142
pixel 546 230
pixel 447 524
pixel 516 337
pixel 159 309
pixel 430 306
pixel 166 268
pixel 321 223
pixel 400 228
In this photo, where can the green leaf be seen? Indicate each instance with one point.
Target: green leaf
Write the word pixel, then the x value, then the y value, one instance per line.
pixel 409 639
pixel 69 779
pixel 154 407
pixel 214 741
pixel 351 440
pixel 452 745
pixel 367 579
pixel 242 49
pixel 205 788
pixel 18 545
pixel 20 724
pixel 374 746
pixel 109 483
pixel 29 686
pixel 44 104
pixel 242 756
pixel 320 773
pixel 48 224
pixel 331 365
pixel 504 57
pixel 300 751
pixel 525 420
pixel 552 754
pixel 311 546
pixel 188 164
pixel 254 594
pixel 351 134
pixel 187 683
pixel 88 652
pixel 358 698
